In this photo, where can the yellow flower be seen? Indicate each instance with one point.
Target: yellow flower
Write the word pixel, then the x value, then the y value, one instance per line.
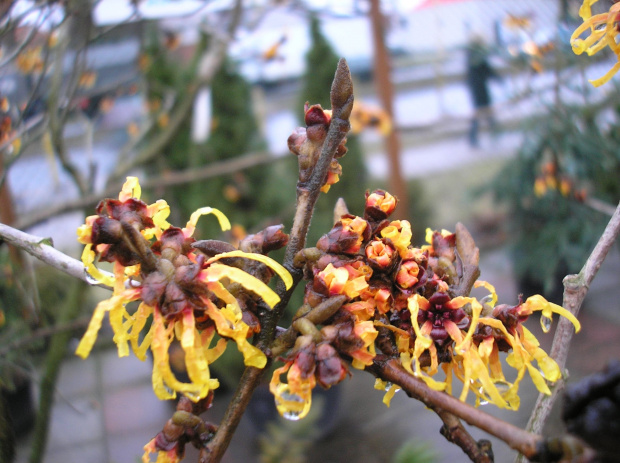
pixel 293 400
pixel 399 231
pixel 389 388
pixel 364 356
pixel 524 345
pixel 337 281
pixel 603 31
pixel 163 456
pixel 179 289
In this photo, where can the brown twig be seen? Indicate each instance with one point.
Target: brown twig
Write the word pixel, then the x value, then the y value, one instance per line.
pixel 44 333
pixel 308 191
pixel 454 431
pixel 525 442
pixel 307 194
pixel 575 290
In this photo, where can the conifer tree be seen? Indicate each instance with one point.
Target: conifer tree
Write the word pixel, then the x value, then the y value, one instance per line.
pixel 321 62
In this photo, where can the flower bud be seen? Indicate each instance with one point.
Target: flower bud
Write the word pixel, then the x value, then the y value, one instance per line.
pixel 379 205
pixel 407 274
pixel 346 236
pixel 381 255
pixel 330 368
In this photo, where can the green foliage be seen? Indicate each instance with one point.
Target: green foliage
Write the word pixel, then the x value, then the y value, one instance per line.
pixel 251 198
pixel 554 233
pixel 415 452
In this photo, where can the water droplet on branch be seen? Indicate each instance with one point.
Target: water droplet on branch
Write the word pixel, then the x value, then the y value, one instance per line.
pixel 91 280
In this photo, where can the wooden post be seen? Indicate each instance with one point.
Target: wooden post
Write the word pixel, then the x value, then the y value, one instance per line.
pixel 385 90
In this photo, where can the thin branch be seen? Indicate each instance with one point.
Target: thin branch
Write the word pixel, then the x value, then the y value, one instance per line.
pixel 209 65
pixel 307 195
pixel 56 120
pixel 454 431
pixel 391 370
pixel 42 250
pixel 600 206
pixel 575 290
pixel 165 180
pixel 53 361
pixel 44 333
pixel 21 46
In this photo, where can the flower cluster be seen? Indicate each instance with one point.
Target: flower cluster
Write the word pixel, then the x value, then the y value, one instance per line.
pixel 550 180
pixel 603 31
pixel 364 116
pixel 191 295
pixel 400 300
pixel 306 143
pixel 30 61
pixel 185 426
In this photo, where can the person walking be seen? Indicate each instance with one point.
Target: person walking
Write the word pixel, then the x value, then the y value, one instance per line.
pixel 479 72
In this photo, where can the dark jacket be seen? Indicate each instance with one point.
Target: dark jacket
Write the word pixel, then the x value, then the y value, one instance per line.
pixel 478 74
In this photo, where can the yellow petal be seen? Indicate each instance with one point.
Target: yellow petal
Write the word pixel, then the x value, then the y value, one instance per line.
pixel 131 189
pixel 490 288
pixel 165 384
pixel 486 347
pixel 195 361
pixel 159 212
pixel 85 231
pixel 89 338
pixel 191 225
pixel 217 272
pixel 287 402
pixel 88 258
pixel 226 325
pixel 607 77
pixel 389 388
pixel 414 307
pixel 268 261
pixel 538 379
pixel 538 302
pixel 549 367
pixel 480 373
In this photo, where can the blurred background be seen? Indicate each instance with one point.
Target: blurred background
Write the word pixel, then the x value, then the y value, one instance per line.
pixel 468 110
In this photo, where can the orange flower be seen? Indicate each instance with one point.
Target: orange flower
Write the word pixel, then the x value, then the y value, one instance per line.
pixel 381 254
pixel 337 281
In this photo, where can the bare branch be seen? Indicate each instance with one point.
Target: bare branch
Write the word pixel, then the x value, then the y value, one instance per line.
pixel 41 249
pixel 209 65
pixel 307 194
pixel 391 370
pixel 44 333
pixel 575 290
pixel 454 431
